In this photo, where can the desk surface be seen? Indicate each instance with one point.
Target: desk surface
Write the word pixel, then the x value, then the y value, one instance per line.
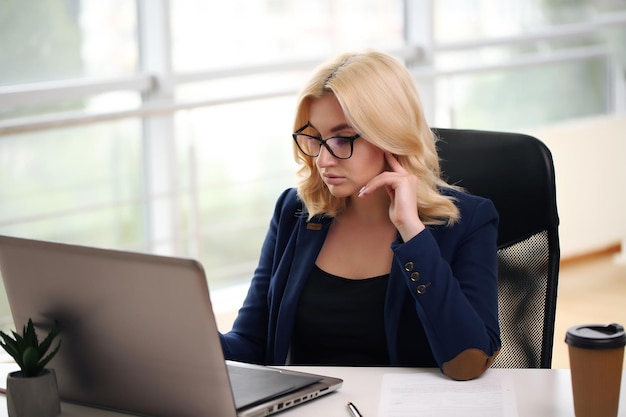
pixel 538 392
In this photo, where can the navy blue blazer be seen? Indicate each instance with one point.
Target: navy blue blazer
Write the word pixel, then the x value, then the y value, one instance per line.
pixel 442 295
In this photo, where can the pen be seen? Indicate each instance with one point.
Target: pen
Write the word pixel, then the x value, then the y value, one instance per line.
pixel 354 412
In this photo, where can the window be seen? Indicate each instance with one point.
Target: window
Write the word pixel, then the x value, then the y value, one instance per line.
pixel 515 64
pixel 127 125
pixel 77 184
pixel 209 35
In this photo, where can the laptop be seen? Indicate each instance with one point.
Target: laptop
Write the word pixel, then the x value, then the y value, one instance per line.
pixel 138 334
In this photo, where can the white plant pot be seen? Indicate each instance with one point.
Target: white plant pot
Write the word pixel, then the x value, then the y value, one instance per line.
pixel 36 396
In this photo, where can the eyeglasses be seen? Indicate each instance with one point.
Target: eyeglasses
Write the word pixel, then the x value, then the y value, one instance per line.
pixel 340 147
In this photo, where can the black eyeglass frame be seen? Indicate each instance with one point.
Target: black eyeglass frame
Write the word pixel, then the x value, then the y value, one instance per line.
pixel 322 142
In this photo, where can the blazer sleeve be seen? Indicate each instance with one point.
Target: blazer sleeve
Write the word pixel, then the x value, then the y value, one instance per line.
pixel 451 273
pixel 248 339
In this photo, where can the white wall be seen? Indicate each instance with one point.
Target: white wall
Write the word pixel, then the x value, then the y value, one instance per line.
pixel 590 164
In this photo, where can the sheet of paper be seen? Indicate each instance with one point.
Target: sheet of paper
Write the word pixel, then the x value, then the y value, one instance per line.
pixel 428 394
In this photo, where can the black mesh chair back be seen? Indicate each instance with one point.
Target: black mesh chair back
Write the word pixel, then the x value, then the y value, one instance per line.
pixel 516 172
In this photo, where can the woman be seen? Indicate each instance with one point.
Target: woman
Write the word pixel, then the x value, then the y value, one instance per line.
pixel 374 259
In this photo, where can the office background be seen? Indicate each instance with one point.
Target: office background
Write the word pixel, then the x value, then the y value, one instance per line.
pixel 164 126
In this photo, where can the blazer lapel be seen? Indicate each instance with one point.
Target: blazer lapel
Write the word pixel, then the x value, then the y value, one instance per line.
pixel 308 244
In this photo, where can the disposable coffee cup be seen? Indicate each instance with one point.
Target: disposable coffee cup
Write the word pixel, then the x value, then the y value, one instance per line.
pixel 596 354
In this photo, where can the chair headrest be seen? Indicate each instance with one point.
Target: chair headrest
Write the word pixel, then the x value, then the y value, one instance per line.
pixel 513 170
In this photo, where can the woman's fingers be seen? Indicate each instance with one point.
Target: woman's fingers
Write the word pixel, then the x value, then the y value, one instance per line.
pixel 392 180
pixel 402 190
pixel 393 163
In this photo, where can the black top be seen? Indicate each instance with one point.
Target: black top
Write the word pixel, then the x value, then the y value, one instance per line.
pixel 340 321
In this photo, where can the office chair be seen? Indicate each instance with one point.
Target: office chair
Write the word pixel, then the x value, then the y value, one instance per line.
pixel 516 172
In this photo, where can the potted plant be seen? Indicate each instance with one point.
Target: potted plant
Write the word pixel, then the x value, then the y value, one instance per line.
pixel 32 391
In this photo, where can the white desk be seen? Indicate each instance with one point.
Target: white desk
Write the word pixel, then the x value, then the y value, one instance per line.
pixel 538 392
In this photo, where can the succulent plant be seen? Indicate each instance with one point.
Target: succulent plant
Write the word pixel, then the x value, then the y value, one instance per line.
pixel 29 354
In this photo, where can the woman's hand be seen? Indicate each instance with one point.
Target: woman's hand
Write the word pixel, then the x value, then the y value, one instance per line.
pixel 402 190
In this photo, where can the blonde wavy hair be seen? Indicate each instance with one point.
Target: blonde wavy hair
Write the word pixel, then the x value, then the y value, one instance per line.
pixel 380 100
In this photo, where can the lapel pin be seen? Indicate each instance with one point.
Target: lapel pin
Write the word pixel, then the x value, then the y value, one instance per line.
pixel 314 226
